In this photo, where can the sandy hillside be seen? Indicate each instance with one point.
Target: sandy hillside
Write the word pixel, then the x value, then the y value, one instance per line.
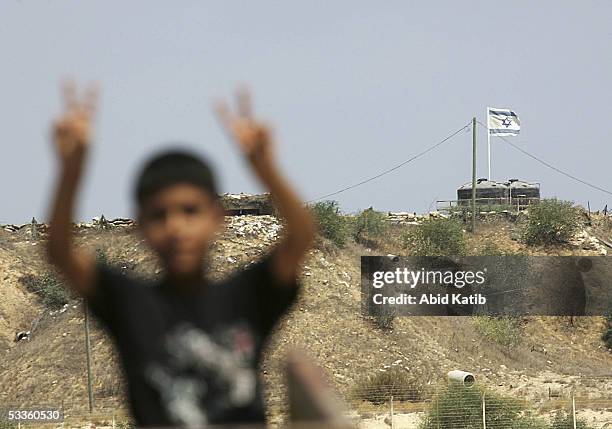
pixel 327 322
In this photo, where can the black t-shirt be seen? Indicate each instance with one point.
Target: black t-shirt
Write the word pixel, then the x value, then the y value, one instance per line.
pixel 192 359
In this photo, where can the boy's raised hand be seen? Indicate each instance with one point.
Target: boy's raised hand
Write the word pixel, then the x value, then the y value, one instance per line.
pixel 72 130
pixel 253 136
pixel 255 141
pixel 71 135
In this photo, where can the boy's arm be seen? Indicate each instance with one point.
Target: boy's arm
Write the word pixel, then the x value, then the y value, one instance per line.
pixel 254 139
pixel 299 225
pixel 71 135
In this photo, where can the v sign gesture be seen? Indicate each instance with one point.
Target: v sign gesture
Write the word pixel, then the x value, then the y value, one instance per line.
pixel 71 134
pixel 255 141
pixel 72 130
pixel 253 136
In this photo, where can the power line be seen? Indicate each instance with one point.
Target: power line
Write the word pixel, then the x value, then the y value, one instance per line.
pixel 558 170
pixel 393 168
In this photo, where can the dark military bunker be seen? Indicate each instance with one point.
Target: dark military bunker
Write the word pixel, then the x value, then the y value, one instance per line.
pixel 492 192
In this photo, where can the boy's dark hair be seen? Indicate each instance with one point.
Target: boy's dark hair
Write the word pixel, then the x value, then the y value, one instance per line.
pixel 172 167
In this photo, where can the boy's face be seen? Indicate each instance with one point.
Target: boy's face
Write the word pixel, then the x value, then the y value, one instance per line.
pixel 179 222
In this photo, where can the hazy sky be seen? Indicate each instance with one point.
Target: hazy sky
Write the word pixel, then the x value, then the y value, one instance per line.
pixel 352 88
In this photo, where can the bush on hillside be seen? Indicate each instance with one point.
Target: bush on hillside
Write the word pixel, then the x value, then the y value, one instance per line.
pixel 436 237
pixel 123 266
pixel 48 287
pixel 368 225
pixel 378 387
pixel 384 316
pixel 551 221
pixel 564 420
pixel 331 223
pixel 505 331
pixel 607 335
pixel 459 407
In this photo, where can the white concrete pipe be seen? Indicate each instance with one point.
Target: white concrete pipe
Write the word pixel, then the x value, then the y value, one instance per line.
pixel 466 379
pixel 393 258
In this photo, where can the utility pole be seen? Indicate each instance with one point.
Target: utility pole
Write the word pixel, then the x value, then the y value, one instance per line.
pixel 88 352
pixel 473 175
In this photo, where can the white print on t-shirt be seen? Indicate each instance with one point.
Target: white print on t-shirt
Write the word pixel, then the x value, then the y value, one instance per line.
pixel 180 395
pixel 225 362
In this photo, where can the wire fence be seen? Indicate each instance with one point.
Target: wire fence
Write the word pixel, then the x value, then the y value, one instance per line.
pixel 447 407
pixel 465 408
pixel 487 204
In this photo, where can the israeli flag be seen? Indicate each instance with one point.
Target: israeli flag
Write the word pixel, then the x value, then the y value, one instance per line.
pixel 503 122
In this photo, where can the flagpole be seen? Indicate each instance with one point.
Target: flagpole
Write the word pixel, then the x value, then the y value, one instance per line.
pixel 474 174
pixel 488 143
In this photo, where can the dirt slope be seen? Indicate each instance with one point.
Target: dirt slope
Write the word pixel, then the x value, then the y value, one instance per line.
pixel 50 368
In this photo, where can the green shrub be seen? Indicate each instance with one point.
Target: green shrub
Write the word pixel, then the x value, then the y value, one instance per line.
pixel 551 221
pixel 505 331
pixel 48 287
pixel 436 237
pixel 378 387
pixel 607 335
pixel 564 420
pixel 368 224
pixel 123 266
pixel 5 424
pixel 384 316
pixel 332 224
pixel 460 407
pixel 101 256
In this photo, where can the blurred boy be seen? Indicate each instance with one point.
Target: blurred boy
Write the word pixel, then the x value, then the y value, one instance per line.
pixel 189 347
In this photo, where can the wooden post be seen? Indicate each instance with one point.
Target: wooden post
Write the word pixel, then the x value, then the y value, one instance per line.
pixel 474 175
pixel 484 415
pixel 589 209
pixel 438 410
pixel 391 404
pixel 573 409
pixel 88 355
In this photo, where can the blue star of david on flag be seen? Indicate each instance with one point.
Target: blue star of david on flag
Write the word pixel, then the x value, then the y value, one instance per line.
pixel 502 122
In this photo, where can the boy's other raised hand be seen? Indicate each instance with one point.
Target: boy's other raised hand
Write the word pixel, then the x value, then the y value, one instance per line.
pixel 252 136
pixel 254 139
pixel 72 130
